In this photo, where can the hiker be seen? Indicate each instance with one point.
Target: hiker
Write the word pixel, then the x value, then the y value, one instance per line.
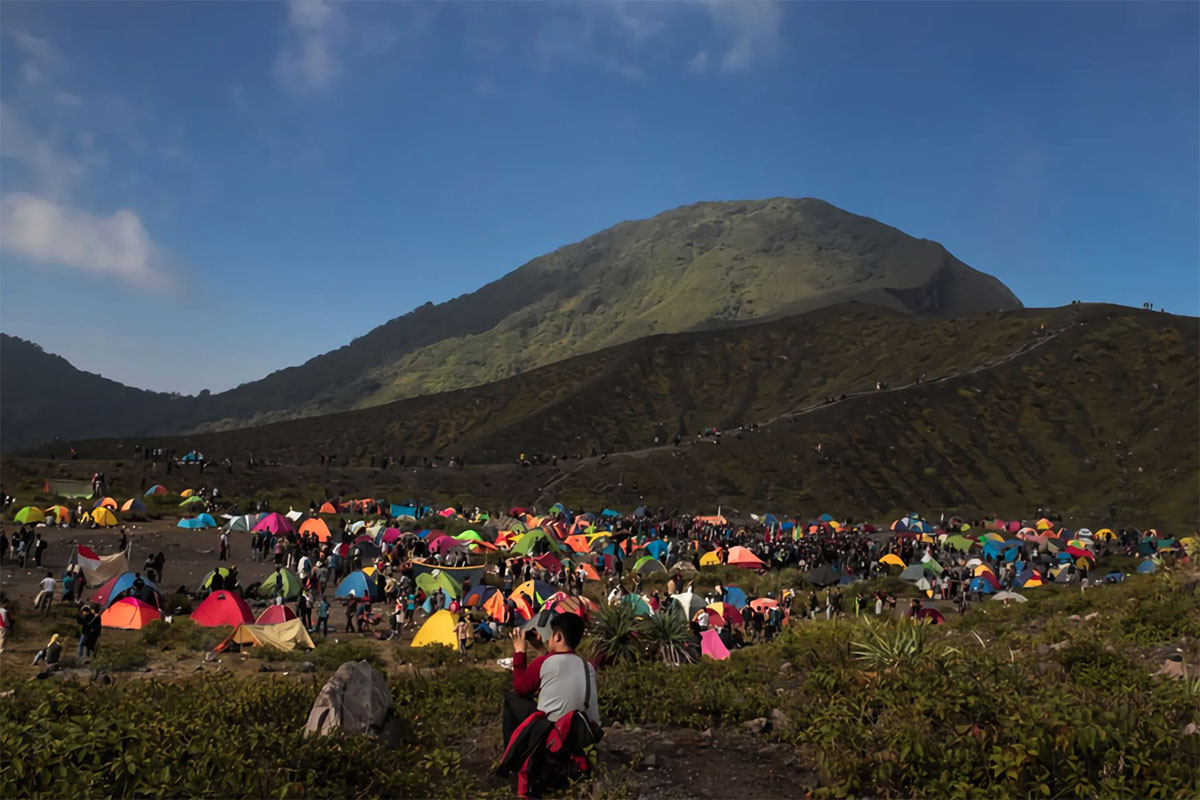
pixel 51 654
pixel 462 632
pixel 89 633
pixel 304 610
pixel 323 616
pixel 224 545
pixel 46 596
pixel 39 547
pixel 562 680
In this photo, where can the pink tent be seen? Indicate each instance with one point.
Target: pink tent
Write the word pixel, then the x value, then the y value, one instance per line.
pixel 712 646
pixel 274 523
pixel 391 535
pixel 274 615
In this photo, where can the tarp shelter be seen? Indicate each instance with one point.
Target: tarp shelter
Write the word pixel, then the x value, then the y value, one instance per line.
pixel 741 557
pixel 274 523
pixel 359 583
pixel 294 515
pixel 134 504
pixel 275 614
pixel 222 608
pixel 282 582
pixel 198 522
pixel 104 517
pixel 438 629
pixel 355 700
pixel 287 635
pixel 157 488
pixel 98 569
pixel 129 613
pixel 70 489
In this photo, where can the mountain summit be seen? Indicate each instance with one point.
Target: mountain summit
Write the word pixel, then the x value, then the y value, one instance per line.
pixel 699 266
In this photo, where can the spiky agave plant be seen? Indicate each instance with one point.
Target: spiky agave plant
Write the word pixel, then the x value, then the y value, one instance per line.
pixel 887 647
pixel 613 639
pixel 667 636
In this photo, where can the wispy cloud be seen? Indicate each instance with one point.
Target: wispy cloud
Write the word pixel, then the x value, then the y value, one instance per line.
pixel 46 232
pixel 41 58
pixel 753 30
pixel 50 172
pixel 309 61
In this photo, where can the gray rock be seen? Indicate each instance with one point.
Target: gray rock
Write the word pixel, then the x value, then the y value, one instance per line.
pixel 265 668
pixel 1091 616
pixel 1059 645
pixel 779 720
pixel 757 725
pixel 307 666
pixel 210 657
pixel 786 667
pixel 650 761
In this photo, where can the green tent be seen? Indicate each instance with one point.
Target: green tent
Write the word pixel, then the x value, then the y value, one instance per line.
pixel 472 536
pixel 194 500
pixel 525 545
pixel 291 585
pixel 648 565
pixel 638 604
pixel 208 579
pixel 959 543
pixel 430 582
pixel 932 566
pixel 30 515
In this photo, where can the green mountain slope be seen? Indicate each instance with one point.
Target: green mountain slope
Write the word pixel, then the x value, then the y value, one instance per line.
pixel 702 266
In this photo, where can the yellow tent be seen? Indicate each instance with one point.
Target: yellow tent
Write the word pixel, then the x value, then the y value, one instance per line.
pixel 1105 533
pixel 104 517
pixel 982 568
pixel 187 493
pixel 709 559
pixel 1190 544
pixel 1044 524
pixel 438 629
pixel 995 537
pixel 282 636
pixel 893 559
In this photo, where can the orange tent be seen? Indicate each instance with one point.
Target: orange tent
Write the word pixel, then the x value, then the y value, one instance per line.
pixel 741 557
pixel 590 572
pixel 129 613
pixel 495 607
pixel 106 502
pixel 316 527
pixel 327 508
pixel 578 544
pixel 716 519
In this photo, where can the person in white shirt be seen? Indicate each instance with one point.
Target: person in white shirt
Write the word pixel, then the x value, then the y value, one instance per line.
pixel 46 596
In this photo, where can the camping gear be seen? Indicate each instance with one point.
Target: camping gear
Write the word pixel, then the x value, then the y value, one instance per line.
pixel 712 646
pixel 129 613
pixel 222 608
pixel 275 615
pixel 438 629
pixel 355 700
pixel 287 635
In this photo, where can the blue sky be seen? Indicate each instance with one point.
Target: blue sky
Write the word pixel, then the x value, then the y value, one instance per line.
pixel 195 194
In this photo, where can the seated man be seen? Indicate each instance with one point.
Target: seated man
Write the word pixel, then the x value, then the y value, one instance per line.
pixel 562 680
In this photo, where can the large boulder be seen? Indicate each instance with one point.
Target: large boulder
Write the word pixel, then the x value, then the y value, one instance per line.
pixel 354 700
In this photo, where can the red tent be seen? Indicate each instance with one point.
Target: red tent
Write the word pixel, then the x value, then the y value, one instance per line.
pixel 274 523
pixel 741 557
pixel 222 608
pixel 274 615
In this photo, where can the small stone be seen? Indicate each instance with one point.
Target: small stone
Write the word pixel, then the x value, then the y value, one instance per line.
pixel 264 668
pixel 616 726
pixel 650 761
pixel 307 666
pixel 198 667
pixel 1059 645
pixel 785 667
pixel 1091 616
pixel 1191 729
pixel 708 733
pixel 757 725
pixel 210 657
pixel 779 720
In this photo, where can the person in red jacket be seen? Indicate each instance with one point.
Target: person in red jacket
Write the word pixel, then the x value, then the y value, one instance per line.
pixel 559 679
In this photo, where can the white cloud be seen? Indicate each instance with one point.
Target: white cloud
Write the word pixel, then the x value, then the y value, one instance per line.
pixel 46 232
pixel 42 59
pixel 752 27
pixel 309 61
pixel 698 64
pixel 51 172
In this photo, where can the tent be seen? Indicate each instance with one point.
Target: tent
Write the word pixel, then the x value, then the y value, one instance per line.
pixel 657 548
pixel 30 515
pixel 317 528
pixel 526 543
pixel 290 589
pixel 104 517
pixel 222 608
pixel 195 501
pixel 106 502
pixel 649 565
pixel 187 493
pixel 243 524
pixel 58 513
pixel 360 584
pixel 1147 567
pixel 431 582
pixel 891 559
pixel 912 573
pixel 574 604
pixel 1010 596
pixel 287 635
pixel 535 590
pixel 722 614
pixel 275 614
pixel 274 523
pixel 479 595
pixel 933 615
pixel 638 603
pixel 208 579
pixel 959 542
pixel 712 646
pixel 710 559
pixel 63 488
pixel 823 575
pixel 98 569
pixel 982 585
pixel 157 488
pixel 438 629
pixel 198 522
pixel 741 557
pixel 129 613
pixel 473 575
pixel 734 597
pixel 134 504
pixel 122 586
pixel 690 603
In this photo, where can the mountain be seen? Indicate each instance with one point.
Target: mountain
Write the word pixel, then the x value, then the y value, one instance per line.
pixel 702 266
pixel 1088 409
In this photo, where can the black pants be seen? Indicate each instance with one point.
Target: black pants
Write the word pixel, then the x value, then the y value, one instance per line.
pixel 517 709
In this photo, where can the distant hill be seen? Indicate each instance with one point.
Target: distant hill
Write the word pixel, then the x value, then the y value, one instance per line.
pixel 1096 414
pixel 708 265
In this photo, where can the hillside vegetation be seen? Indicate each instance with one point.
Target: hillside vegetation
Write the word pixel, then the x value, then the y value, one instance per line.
pixel 1097 415
pixel 702 266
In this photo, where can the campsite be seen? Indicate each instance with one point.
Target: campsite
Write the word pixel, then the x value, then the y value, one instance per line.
pixel 841 701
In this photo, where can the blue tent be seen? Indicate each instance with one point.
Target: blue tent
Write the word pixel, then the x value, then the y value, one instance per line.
pixel 427 606
pixel 198 523
pixel 1114 577
pixel 360 584
pixel 153 490
pixel 424 533
pixel 789 525
pixel 123 586
pixel 825 518
pixel 980 585
pixel 1147 567
pixel 639 512
pixel 608 512
pixel 735 597
pixel 657 548
pixel 770 520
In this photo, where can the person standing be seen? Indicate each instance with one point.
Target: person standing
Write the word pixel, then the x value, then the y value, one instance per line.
pixel 323 616
pixel 462 632
pixel 224 556
pixel 5 621
pixel 89 633
pixel 304 610
pixel 45 597
pixel 39 547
